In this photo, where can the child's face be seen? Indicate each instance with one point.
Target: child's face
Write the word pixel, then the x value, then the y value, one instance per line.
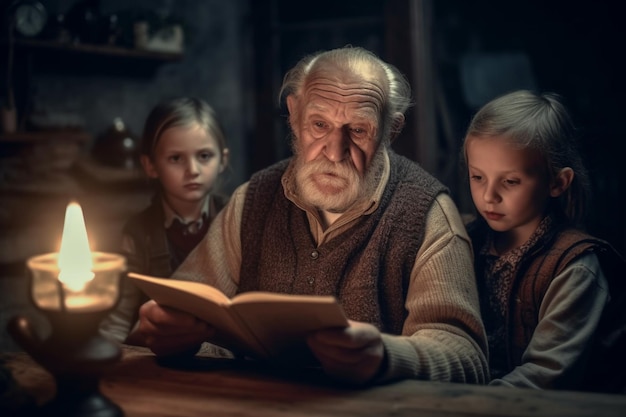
pixel 510 187
pixel 187 161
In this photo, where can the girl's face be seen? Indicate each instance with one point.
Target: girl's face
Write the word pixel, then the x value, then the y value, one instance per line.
pixel 510 186
pixel 187 161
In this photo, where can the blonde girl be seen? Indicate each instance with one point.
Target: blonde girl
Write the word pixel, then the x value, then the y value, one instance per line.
pixel 543 281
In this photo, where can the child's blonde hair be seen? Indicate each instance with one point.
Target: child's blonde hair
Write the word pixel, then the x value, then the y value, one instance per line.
pixel 540 122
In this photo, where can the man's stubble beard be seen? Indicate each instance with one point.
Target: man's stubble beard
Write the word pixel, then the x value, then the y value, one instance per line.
pixel 338 193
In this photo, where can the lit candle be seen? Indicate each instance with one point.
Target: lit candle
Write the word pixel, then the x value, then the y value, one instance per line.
pixel 76 264
pixel 75 279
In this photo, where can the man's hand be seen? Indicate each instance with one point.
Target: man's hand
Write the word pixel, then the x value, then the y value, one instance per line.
pixel 354 354
pixel 168 331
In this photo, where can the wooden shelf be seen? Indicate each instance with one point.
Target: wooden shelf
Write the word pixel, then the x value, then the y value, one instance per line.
pixel 104 50
pixel 68 59
pixel 48 135
pixel 326 24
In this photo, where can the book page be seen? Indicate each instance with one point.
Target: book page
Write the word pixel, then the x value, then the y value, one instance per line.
pixel 281 322
pixel 198 289
pixel 203 301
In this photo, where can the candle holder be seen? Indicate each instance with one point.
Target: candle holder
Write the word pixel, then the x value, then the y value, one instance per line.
pixel 74 352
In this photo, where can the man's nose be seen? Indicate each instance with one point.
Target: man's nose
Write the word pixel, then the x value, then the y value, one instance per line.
pixel 337 145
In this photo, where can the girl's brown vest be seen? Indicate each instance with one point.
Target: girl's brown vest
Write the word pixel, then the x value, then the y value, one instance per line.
pixel 606 370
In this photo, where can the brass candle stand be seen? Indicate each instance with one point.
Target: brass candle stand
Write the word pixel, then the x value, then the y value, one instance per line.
pixel 74 352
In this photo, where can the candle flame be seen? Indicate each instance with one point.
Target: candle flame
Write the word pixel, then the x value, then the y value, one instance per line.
pixel 75 262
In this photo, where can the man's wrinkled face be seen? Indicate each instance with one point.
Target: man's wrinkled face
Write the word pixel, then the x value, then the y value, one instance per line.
pixel 337 137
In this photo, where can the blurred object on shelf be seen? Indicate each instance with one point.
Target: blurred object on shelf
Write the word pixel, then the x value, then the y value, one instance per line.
pixel 29 17
pixel 117 147
pixel 114 30
pixel 159 29
pixel 141 33
pixel 85 22
pixel 57 30
pixel 166 39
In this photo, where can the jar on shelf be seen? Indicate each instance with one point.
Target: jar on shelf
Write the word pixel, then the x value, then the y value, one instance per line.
pixel 117 147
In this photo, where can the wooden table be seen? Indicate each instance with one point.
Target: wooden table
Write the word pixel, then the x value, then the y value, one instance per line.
pixel 224 387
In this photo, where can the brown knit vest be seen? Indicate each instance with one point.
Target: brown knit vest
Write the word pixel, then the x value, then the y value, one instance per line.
pixel 567 246
pixel 367 268
pixel 606 368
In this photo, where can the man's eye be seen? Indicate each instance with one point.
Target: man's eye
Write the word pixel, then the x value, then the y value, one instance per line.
pixel 358 133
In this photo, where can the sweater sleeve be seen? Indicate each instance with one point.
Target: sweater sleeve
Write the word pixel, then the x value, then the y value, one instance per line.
pixel 568 316
pixel 443 338
pixel 216 260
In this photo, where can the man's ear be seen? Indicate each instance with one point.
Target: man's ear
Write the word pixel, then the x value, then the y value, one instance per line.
pixel 148 167
pixel 562 182
pixel 292 106
pixel 290 100
pixel 396 126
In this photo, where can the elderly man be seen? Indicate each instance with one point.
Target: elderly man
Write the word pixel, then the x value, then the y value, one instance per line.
pixel 346 216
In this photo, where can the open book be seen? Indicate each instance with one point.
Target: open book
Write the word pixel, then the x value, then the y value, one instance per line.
pixel 262 325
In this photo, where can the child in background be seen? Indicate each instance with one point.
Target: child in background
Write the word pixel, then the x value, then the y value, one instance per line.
pixel 543 282
pixel 184 150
